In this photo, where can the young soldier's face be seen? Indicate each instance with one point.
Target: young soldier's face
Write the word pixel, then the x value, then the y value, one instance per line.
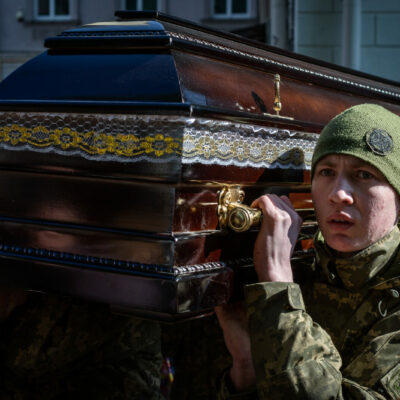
pixel 354 204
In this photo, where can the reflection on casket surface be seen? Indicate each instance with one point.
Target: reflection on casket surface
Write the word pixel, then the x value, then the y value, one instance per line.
pixel 116 143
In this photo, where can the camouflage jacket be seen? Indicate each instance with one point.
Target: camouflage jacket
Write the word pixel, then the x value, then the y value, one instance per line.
pixel 60 348
pixel 198 353
pixel 346 345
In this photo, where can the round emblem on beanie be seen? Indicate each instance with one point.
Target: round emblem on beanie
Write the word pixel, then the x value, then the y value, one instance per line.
pixel 379 141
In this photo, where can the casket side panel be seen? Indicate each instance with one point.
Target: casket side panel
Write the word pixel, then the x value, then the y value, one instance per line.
pixel 222 84
pixel 138 294
pixel 107 249
pixel 101 203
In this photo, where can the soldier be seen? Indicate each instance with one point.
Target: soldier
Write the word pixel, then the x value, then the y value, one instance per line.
pixel 62 348
pixel 338 335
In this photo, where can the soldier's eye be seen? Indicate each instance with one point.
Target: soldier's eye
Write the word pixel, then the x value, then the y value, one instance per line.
pixel 362 174
pixel 326 172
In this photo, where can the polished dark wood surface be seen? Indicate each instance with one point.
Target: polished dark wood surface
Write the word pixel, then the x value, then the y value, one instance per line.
pixel 100 203
pixel 104 200
pixel 149 296
pixel 222 84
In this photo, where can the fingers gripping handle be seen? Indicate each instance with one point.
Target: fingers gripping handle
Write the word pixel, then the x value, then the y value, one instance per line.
pixel 233 214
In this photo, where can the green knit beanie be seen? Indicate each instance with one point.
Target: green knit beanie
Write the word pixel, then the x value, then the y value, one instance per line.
pixel 366 131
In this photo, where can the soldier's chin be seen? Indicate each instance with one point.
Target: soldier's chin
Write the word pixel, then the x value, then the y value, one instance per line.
pixel 343 245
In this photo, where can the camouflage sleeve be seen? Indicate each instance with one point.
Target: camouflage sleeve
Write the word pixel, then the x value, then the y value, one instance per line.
pixel 125 367
pixel 378 363
pixel 293 356
pixel 60 348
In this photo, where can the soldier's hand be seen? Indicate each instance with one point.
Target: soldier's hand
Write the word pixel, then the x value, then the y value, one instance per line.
pixel 276 238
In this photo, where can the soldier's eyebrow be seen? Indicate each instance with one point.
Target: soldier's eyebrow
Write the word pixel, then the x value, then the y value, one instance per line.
pixel 333 160
pixel 358 163
pixel 326 163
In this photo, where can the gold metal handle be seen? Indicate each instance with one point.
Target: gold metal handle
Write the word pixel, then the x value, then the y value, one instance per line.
pixel 277 101
pixel 241 217
pixel 233 214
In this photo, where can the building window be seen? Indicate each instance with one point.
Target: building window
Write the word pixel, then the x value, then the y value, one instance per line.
pixel 231 8
pixel 52 10
pixel 141 5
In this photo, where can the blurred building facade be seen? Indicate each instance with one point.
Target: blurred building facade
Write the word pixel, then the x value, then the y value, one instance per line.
pixel 360 34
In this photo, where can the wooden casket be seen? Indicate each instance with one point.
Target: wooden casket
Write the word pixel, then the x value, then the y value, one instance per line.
pixel 126 150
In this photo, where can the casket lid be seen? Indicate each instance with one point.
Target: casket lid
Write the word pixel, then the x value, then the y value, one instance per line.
pixel 97 77
pixel 131 63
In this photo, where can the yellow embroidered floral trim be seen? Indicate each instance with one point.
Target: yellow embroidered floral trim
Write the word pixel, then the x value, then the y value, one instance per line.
pixel 131 138
pixel 92 142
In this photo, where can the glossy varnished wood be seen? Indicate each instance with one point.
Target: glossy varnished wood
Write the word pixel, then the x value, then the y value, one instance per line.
pixel 232 87
pixel 141 233
pixel 148 296
pixel 101 203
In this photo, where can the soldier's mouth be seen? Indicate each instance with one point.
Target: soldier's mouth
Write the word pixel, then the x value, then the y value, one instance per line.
pixel 340 222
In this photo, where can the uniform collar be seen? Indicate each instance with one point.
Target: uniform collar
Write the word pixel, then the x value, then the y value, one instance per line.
pixel 358 270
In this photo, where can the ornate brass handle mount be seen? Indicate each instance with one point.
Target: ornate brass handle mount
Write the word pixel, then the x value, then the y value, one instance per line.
pixel 233 214
pixel 277 100
pixel 277 106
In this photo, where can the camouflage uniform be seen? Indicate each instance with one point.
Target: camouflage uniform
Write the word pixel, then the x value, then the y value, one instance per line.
pixel 347 345
pixel 60 348
pixel 198 353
